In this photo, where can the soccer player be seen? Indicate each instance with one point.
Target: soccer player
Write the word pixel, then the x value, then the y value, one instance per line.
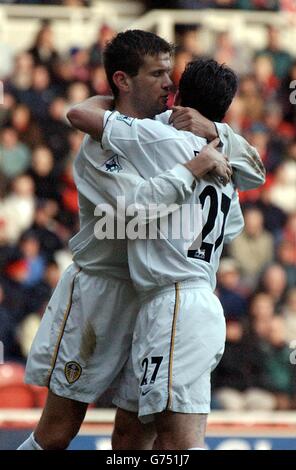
pixel 85 335
pixel 180 330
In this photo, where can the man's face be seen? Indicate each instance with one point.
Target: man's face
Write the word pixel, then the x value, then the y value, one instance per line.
pixel 150 88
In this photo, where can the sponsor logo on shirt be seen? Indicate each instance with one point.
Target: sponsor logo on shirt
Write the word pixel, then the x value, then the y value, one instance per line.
pixel 128 120
pixel 199 254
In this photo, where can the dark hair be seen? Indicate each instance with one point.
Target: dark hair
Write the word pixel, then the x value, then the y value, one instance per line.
pixel 127 51
pixel 208 87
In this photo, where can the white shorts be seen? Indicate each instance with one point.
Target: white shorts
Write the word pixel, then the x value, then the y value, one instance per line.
pixel 178 340
pixel 85 335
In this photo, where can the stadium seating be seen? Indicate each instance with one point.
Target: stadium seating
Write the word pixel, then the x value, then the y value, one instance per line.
pixel 13 392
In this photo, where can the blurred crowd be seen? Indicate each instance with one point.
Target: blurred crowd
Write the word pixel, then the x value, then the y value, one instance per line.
pixel 272 5
pixel 70 3
pixel 263 5
pixel 38 203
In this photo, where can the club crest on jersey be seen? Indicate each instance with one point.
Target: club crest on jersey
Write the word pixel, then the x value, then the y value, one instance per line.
pixel 128 120
pixel 112 165
pixel 72 371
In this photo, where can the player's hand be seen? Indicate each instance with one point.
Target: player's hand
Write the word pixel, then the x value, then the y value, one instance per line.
pixel 188 119
pixel 212 163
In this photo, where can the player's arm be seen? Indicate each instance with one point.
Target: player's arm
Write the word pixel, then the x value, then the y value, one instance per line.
pixel 88 116
pixel 143 140
pixel 235 220
pixel 249 170
pixel 117 182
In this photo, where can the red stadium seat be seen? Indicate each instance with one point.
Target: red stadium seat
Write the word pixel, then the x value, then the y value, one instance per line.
pixel 40 395
pixel 13 392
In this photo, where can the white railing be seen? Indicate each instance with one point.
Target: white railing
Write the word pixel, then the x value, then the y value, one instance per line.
pixel 245 27
pixel 79 26
pixel 72 26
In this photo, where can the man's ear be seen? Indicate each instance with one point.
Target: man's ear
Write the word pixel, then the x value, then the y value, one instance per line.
pixel 177 99
pixel 121 80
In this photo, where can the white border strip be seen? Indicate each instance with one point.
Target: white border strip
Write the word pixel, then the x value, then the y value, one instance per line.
pixel 106 416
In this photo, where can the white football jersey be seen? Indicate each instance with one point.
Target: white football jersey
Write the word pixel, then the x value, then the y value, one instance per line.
pixel 101 176
pixel 211 210
pixel 248 169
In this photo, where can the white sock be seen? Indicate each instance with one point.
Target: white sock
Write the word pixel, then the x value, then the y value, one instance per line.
pixel 196 448
pixel 30 444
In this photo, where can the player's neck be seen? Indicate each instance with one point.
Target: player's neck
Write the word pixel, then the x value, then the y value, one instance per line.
pixel 127 108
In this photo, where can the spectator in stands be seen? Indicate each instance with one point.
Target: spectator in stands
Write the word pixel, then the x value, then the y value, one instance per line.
pixel 229 379
pixel 288 5
pixel 274 217
pixel 16 297
pixel 289 232
pixel 261 306
pixel 56 130
pixel 182 4
pixel 43 174
pixel 240 379
pixel 274 283
pixel 18 208
pixel 230 292
pixel 77 92
pixel 21 79
pixel 289 315
pixel 272 5
pixel 40 295
pixel 283 190
pixel 181 59
pixel 280 374
pixel 281 59
pixel 253 249
pixel 28 130
pixel 39 96
pixel 46 228
pixel 6 108
pixel 14 156
pixel 80 64
pixel 30 250
pixel 264 75
pixel 75 140
pixel 286 257
pixel 43 50
pixel 188 39
pixel 105 34
pixel 6 65
pixel 236 56
pixel 253 102
pixel 98 81
pixel 69 194
pixel 225 3
pixel 7 328
pixel 281 131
